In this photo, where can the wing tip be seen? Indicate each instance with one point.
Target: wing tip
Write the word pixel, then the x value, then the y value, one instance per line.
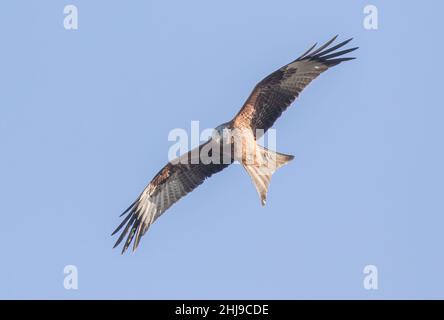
pixel 328 54
pixel 132 226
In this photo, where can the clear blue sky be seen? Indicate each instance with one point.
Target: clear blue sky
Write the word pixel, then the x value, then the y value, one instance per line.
pixel 84 121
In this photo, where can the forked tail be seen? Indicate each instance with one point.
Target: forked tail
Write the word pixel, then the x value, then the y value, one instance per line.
pixel 263 167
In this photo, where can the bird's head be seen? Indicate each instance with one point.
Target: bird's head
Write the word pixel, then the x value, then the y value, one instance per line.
pixel 220 132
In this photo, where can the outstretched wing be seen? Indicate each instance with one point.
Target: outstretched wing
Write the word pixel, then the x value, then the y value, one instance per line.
pixel 277 91
pixel 175 180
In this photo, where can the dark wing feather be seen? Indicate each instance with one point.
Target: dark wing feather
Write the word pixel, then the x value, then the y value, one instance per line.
pixel 174 181
pixel 274 94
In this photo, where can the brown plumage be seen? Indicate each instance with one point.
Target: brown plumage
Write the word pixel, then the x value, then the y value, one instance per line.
pixel 268 100
pixel 171 183
pixel 276 92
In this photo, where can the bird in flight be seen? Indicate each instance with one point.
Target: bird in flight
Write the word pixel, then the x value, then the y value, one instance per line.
pixel 232 141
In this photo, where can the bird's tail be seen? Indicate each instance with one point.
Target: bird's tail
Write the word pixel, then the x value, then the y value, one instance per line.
pixel 266 162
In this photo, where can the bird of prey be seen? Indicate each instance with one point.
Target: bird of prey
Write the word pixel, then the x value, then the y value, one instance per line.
pixel 269 98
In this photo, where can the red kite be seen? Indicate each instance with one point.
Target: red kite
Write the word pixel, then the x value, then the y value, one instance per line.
pixel 269 99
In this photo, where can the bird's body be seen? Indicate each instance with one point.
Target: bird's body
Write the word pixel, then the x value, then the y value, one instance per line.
pixel 235 140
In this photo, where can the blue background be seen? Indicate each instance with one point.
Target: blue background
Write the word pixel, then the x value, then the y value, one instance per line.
pixel 84 121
